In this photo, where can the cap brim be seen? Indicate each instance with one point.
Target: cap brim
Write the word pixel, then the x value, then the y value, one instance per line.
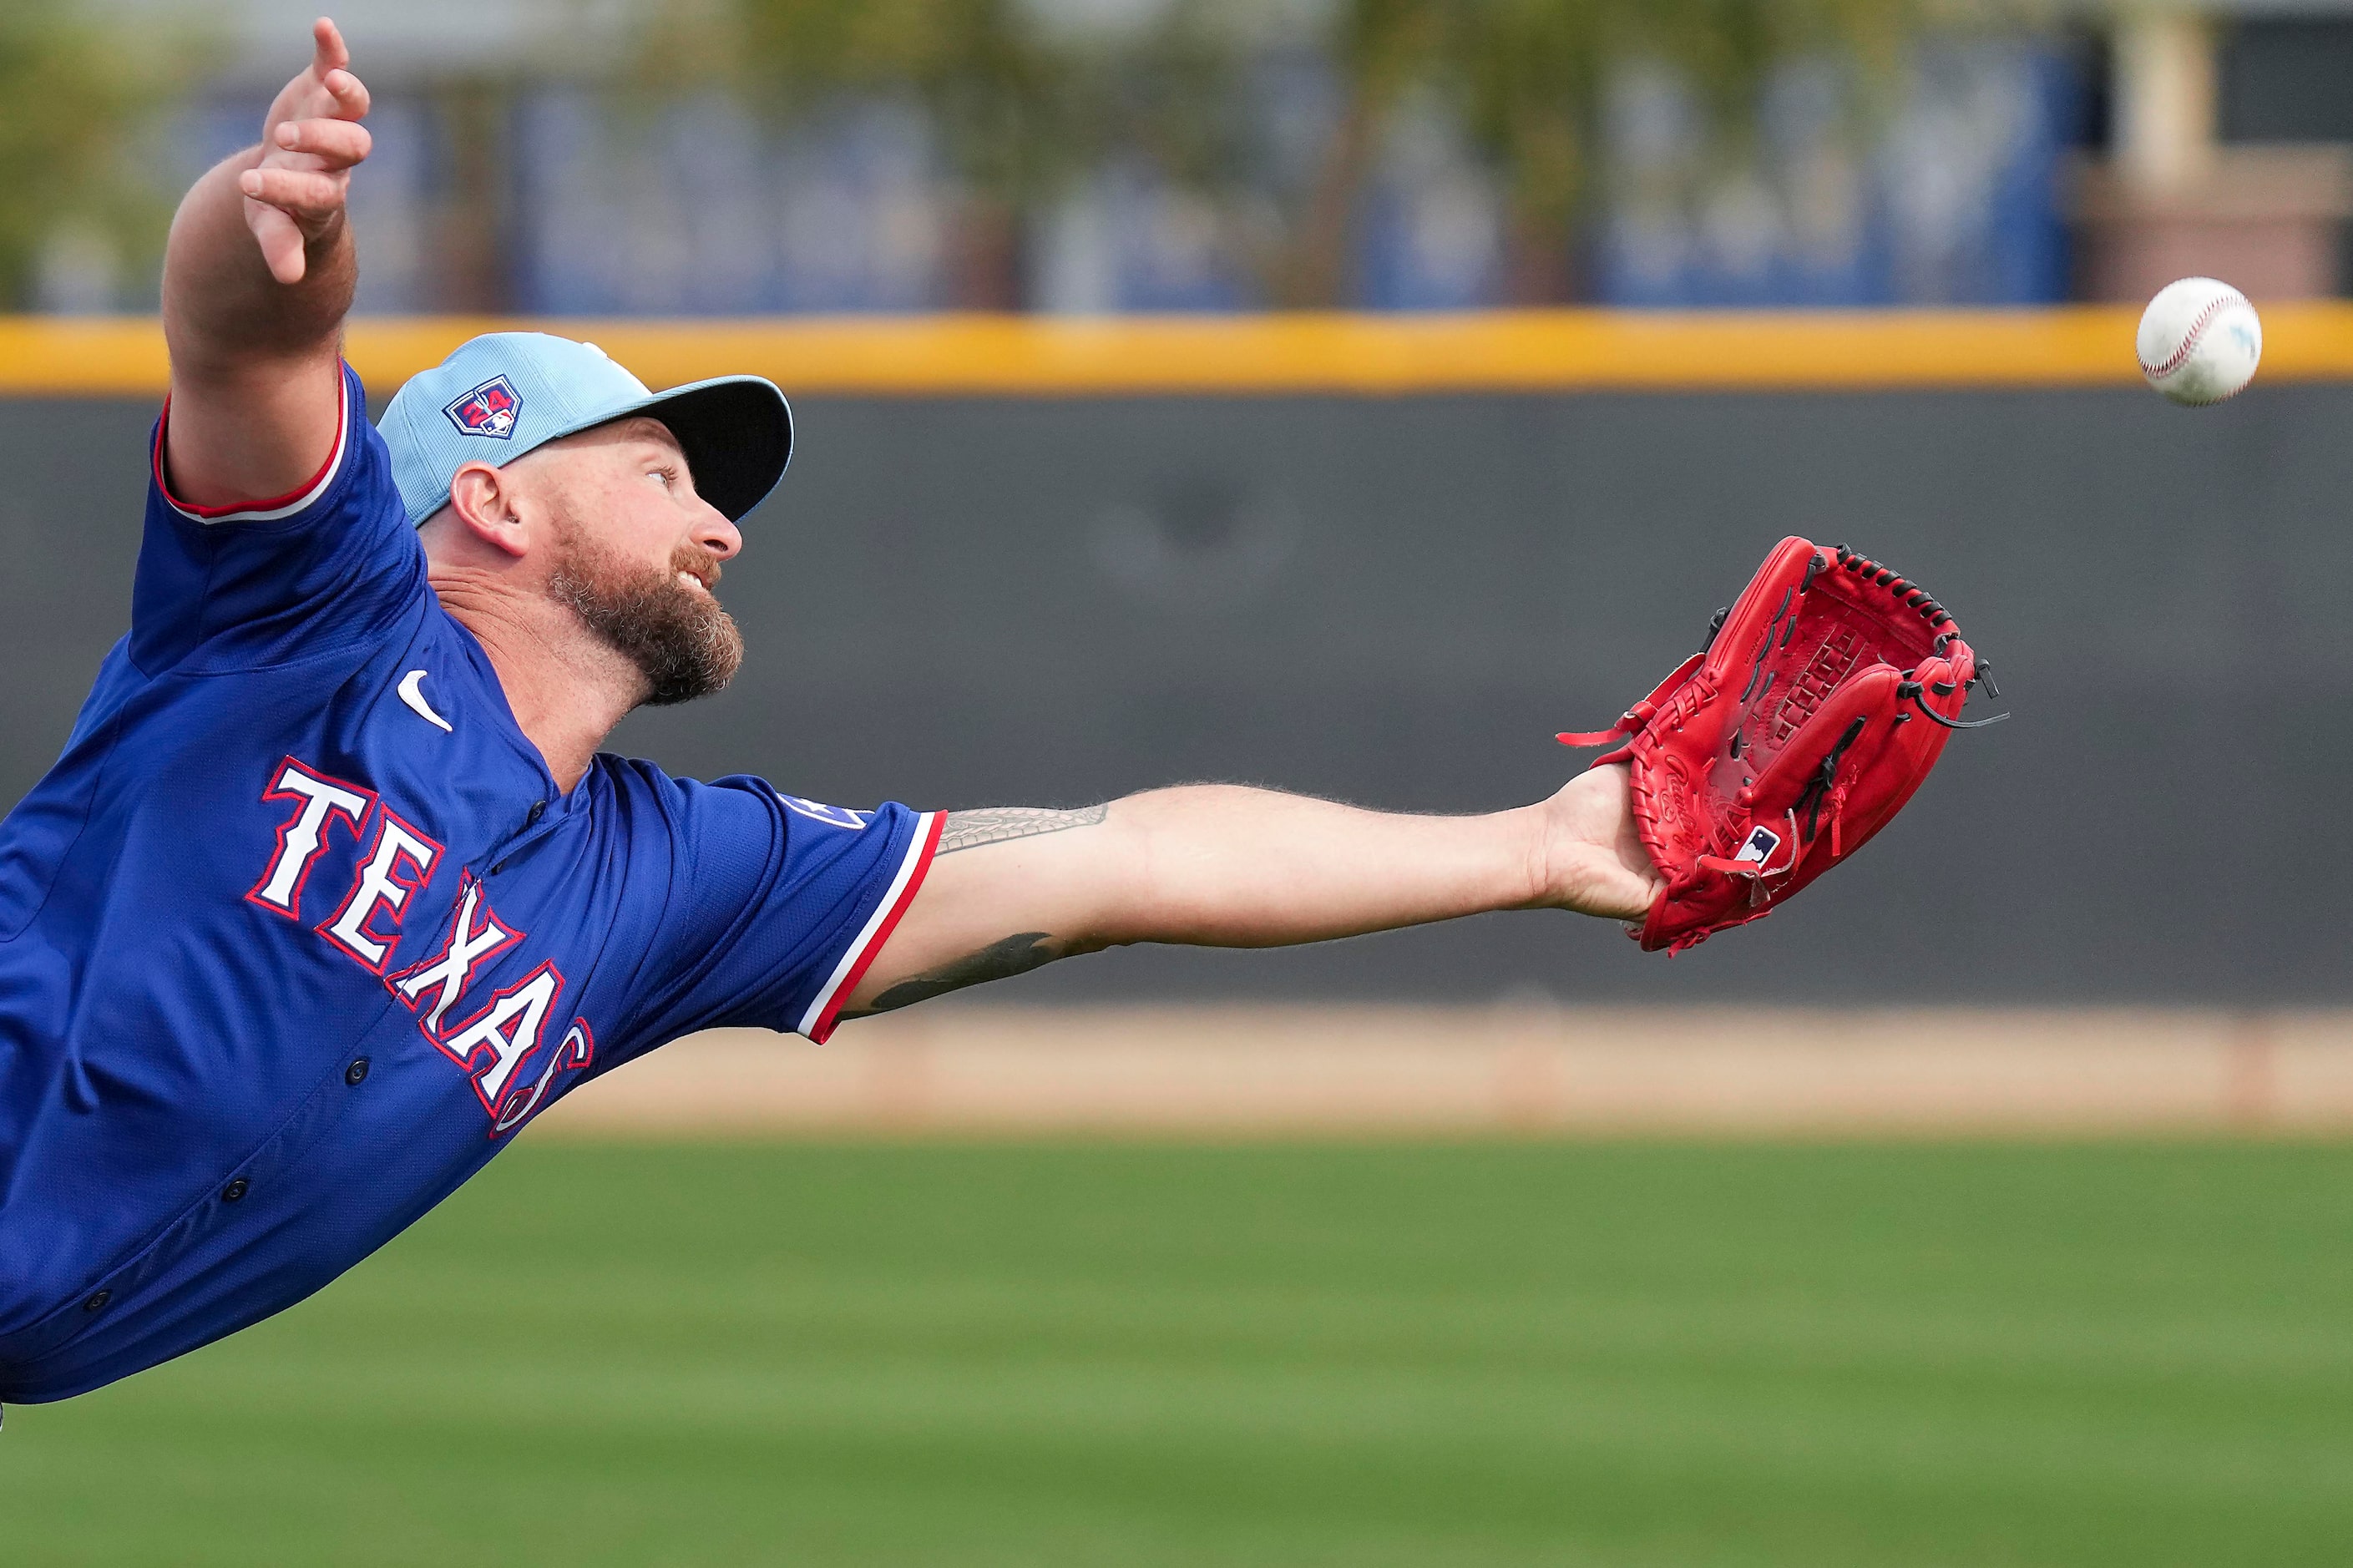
pixel 736 432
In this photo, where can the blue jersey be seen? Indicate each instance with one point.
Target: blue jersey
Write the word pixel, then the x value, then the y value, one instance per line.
pixel 301 929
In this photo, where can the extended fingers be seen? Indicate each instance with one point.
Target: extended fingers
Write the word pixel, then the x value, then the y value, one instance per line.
pixel 339 143
pixel 282 247
pixel 331 59
pixel 350 93
pixel 328 50
pixel 301 192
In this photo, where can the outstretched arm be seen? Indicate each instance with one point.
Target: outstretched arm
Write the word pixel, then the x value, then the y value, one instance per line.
pixel 1221 865
pixel 257 278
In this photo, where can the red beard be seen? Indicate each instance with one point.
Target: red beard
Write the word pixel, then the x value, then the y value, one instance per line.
pixel 684 644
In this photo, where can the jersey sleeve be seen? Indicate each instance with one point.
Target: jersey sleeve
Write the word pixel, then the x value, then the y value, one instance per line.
pixel 778 905
pixel 269 581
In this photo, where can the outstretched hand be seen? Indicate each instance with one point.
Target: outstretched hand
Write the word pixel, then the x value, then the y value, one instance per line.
pixel 312 140
pixel 1594 860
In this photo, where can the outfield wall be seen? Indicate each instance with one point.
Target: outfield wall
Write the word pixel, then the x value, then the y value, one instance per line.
pixel 1397 595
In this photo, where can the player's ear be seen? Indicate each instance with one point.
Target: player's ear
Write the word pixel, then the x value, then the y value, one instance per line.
pixel 484 500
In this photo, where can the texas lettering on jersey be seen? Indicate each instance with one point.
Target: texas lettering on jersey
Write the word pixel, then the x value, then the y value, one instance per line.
pixel 204 1118
pixel 494 1043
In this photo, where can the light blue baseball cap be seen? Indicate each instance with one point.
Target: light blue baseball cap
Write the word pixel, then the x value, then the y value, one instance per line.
pixel 505 394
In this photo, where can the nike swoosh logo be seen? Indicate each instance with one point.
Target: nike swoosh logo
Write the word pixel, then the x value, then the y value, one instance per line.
pixel 410 693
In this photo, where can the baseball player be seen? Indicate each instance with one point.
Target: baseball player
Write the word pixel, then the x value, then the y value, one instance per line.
pixel 331 890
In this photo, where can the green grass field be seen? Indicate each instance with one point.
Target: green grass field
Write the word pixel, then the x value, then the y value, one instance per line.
pixel 1362 1355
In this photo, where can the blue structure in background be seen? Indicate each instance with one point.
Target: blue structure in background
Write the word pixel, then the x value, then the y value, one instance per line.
pixel 1430 234
pixel 1128 241
pixel 391 199
pixel 697 208
pixel 610 205
pixel 1954 203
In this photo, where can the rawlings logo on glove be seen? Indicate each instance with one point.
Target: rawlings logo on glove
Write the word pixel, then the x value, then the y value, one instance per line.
pixel 1822 698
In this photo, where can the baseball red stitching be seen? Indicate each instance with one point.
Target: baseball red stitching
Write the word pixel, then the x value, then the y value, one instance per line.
pixel 2190 341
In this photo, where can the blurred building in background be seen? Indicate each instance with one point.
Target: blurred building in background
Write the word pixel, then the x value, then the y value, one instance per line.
pixel 2230 150
pixel 581 157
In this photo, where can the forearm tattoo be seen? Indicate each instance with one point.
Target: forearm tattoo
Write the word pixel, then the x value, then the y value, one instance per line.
pixel 1000 960
pixel 996 824
pixel 1014 955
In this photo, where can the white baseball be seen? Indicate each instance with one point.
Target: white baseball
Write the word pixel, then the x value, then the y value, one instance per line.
pixel 2200 340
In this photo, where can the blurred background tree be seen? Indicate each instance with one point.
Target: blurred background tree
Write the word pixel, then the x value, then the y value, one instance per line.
pixel 1027 96
pixel 78 215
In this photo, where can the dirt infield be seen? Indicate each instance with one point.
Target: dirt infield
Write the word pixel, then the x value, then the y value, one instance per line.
pixel 1289 1070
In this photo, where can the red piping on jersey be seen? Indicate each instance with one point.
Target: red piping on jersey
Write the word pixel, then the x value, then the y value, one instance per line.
pixel 315 482
pixel 824 1030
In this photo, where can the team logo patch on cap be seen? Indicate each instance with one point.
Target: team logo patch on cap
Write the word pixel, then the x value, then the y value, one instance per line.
pixel 491 409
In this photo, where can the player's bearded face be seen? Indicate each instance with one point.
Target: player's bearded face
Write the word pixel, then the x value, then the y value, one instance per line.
pixel 679 637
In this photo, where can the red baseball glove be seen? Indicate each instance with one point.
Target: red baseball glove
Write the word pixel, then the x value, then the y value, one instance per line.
pixel 1820 701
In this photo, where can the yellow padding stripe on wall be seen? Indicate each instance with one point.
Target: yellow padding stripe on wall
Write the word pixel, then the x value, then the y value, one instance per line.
pixel 1509 350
